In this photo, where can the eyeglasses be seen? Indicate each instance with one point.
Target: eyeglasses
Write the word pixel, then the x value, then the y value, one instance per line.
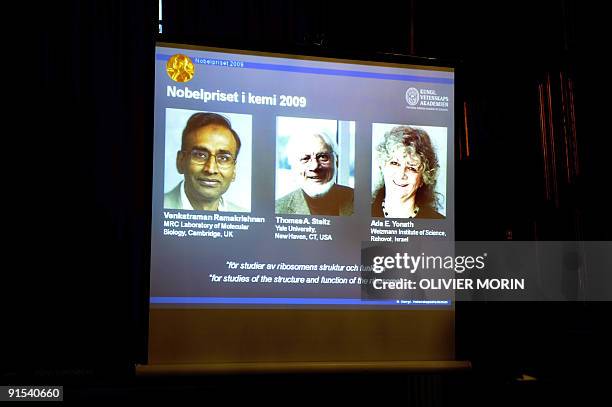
pixel 201 157
pixel 321 158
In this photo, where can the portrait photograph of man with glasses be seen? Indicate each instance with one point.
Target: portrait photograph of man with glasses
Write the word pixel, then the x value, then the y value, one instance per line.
pixel 315 167
pixel 208 163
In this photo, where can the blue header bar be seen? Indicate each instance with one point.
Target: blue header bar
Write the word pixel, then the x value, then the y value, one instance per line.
pixel 317 71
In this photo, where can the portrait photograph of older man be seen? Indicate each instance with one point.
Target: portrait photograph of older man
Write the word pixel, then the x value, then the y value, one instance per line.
pixel 315 169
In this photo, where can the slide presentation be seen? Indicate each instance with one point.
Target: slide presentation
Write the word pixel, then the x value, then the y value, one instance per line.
pixel 273 176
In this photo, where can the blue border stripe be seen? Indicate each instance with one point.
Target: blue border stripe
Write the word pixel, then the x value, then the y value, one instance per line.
pixel 339 72
pixel 288 301
pixel 335 72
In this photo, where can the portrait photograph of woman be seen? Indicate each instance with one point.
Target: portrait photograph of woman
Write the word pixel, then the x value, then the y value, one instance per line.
pixel 408 171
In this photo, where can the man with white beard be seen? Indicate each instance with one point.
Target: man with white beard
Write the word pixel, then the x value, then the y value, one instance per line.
pixel 314 160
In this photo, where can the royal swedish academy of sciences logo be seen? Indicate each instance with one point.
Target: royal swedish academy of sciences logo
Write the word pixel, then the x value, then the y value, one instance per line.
pixel 412 96
pixel 180 68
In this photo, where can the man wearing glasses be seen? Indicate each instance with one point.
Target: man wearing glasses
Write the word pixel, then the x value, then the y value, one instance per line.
pixel 207 160
pixel 314 160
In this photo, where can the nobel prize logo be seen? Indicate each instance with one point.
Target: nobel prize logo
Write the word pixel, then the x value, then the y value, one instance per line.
pixel 412 96
pixel 180 68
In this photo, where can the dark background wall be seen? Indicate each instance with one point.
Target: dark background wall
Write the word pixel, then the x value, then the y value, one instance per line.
pixel 97 124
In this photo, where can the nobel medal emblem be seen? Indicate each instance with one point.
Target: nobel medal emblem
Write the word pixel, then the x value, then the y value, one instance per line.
pixel 180 68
